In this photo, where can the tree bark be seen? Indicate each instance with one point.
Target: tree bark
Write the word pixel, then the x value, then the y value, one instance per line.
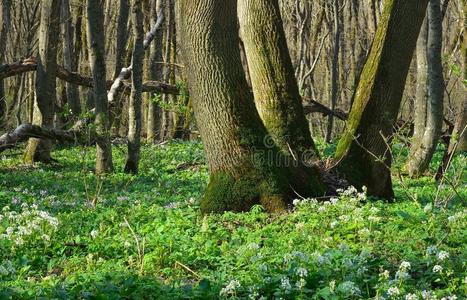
pixel 72 93
pixel 49 32
pixel 232 132
pixel 362 152
pixel 423 151
pixel 96 42
pixel 155 73
pixel 335 67
pixel 5 8
pixel 134 115
pixel 421 95
pixel 275 88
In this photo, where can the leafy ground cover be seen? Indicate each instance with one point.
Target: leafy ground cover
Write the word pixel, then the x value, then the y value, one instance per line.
pixel 67 234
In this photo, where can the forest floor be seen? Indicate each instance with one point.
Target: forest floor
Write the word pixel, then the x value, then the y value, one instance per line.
pixel 67 234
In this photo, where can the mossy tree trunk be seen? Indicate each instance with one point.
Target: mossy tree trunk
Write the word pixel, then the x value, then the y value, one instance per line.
pixel 134 116
pixel 275 87
pixel 241 175
pixel 362 152
pixel 423 149
pixel 97 60
pixel 44 105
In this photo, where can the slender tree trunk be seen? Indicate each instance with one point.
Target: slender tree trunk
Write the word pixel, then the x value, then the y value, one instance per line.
pixel 421 95
pixel 363 151
pixel 275 88
pixel 5 7
pixel 134 116
pixel 423 151
pixel 122 36
pixel 49 32
pixel 230 126
pixel 96 41
pixel 334 68
pixel 72 92
pixel 155 73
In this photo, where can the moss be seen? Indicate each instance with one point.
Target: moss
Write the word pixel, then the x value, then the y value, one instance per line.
pixel 226 193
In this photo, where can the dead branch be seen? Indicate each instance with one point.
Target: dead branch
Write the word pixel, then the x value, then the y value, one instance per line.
pixel 30 65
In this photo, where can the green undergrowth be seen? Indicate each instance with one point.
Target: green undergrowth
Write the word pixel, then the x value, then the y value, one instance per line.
pixel 67 234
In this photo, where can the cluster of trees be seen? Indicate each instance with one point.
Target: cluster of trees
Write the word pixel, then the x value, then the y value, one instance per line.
pixel 255 70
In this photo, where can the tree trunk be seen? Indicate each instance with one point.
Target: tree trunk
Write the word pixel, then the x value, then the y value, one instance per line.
pixel 423 153
pixel 96 42
pixel 49 33
pixel 122 36
pixel 275 88
pixel 155 73
pixel 421 95
pixel 240 173
pixel 72 93
pixel 5 7
pixel 363 152
pixel 134 115
pixel 334 68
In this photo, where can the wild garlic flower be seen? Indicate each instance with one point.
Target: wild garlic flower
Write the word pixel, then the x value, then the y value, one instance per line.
pixel 405 265
pixel 230 289
pixel 437 269
pixel 411 297
pixel 442 255
pixel 393 291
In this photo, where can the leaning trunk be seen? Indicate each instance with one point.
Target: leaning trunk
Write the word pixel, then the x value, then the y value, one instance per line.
pixel 275 88
pixel 363 151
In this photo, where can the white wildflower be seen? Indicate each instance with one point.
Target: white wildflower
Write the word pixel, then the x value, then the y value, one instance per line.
pixel 393 291
pixel 442 255
pixel 437 269
pixel 302 272
pixel 230 289
pixel 334 224
pixel 285 284
pixel 94 233
pixel 411 297
pixel 300 284
pixel 405 265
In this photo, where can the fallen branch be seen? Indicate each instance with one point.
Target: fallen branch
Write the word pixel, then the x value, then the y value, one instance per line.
pixel 312 106
pixel 30 65
pixel 25 131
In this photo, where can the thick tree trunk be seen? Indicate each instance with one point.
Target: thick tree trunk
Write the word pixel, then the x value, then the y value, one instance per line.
pixel 231 129
pixel 5 7
pixel 96 42
pixel 363 150
pixel 72 93
pixel 49 32
pixel 423 153
pixel 275 88
pixel 134 115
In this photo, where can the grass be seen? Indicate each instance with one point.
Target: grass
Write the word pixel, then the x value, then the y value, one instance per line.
pixel 66 234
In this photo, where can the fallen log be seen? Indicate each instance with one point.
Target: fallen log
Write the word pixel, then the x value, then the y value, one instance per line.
pixel 30 65
pixel 25 131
